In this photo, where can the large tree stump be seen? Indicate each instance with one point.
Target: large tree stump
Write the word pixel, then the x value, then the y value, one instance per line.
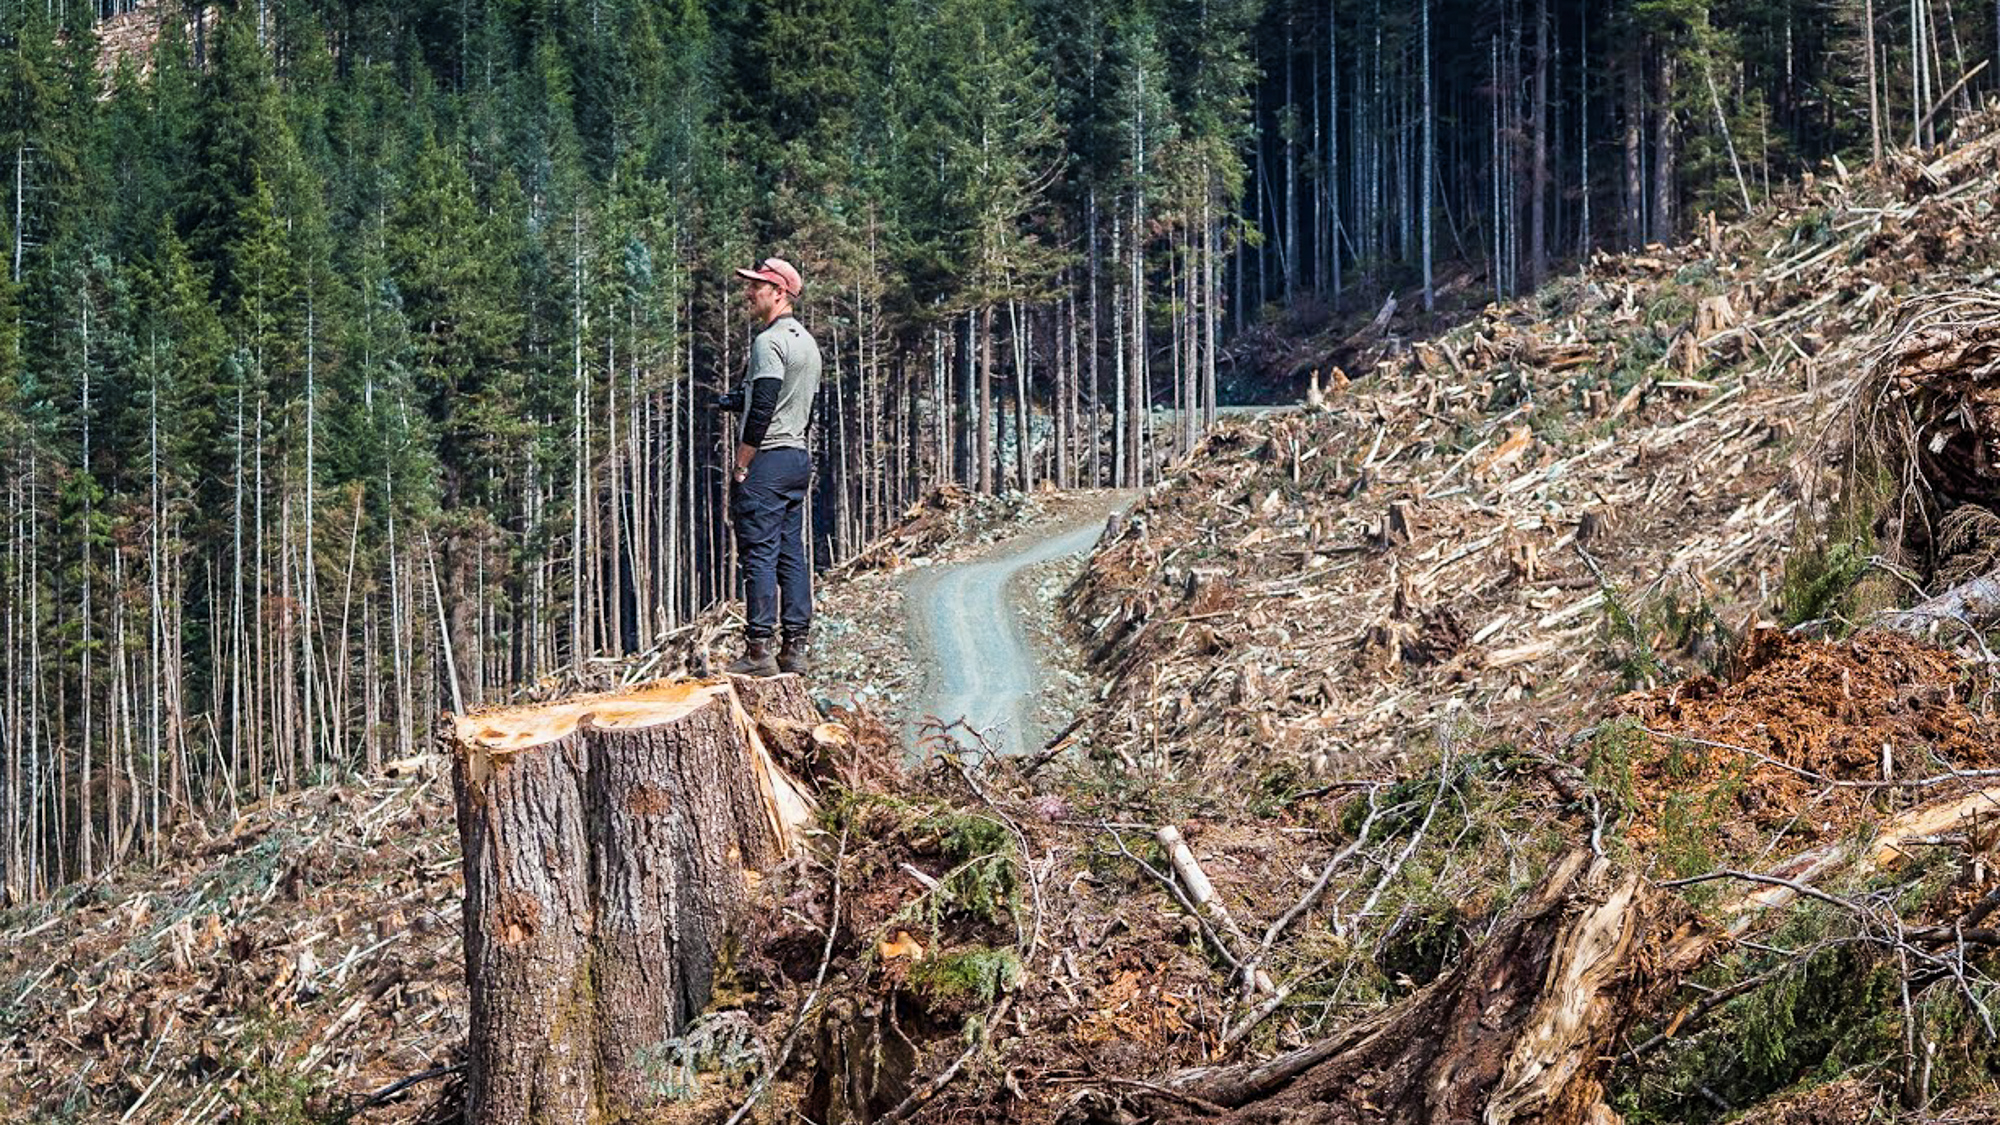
pixel 609 845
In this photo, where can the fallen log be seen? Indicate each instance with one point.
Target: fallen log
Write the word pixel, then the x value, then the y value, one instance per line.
pixel 1524 1027
pixel 1974 604
pixel 1520 1029
pixel 609 844
pixel 1946 169
pixel 1201 892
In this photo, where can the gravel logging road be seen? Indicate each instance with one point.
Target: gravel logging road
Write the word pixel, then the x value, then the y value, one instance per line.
pixel 965 620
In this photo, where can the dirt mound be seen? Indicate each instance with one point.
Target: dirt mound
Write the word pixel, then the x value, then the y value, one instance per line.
pixel 1811 725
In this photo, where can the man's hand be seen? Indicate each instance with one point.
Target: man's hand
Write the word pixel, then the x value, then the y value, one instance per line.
pixel 744 455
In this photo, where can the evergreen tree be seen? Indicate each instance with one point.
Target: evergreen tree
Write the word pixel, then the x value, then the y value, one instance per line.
pixel 236 139
pixel 455 268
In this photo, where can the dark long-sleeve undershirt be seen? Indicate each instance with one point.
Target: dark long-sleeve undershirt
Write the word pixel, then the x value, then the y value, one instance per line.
pixel 763 403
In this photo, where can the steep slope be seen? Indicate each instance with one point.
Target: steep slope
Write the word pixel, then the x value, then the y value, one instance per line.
pixel 1524 582
pixel 281 969
pixel 1555 502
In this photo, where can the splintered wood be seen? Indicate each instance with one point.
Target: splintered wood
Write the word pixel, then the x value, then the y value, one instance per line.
pixel 312 943
pixel 610 844
pixel 1521 1028
pixel 1931 413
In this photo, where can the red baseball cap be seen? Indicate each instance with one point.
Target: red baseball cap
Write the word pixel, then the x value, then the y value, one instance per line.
pixel 778 272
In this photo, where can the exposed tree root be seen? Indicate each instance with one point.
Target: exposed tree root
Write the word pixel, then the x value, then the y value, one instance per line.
pixel 1520 1030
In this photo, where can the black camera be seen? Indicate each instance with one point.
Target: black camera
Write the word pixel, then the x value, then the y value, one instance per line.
pixel 730 402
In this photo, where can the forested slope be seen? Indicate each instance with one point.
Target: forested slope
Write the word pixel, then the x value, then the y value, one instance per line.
pixel 353 357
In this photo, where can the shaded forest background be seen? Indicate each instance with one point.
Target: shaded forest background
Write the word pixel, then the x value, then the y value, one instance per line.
pixel 355 357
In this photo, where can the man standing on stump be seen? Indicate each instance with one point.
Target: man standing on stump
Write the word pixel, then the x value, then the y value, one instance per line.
pixel 772 473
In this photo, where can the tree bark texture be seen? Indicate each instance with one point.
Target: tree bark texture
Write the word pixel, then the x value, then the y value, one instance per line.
pixel 1635 114
pixel 609 843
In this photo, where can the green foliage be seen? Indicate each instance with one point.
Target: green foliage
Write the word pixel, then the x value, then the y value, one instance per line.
pixel 1610 762
pixel 1427 935
pixel 238 138
pixel 1276 788
pixel 1812 225
pixel 1628 644
pixel 973 975
pixel 1828 570
pixel 1817 582
pixel 723 1045
pixel 1824 1015
pixel 1637 361
pixel 984 879
pixel 1687 825
pixel 1670 311
pixel 270 1093
pixel 1694 628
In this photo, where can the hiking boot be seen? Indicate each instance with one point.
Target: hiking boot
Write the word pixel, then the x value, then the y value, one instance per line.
pixel 795 658
pixel 756 659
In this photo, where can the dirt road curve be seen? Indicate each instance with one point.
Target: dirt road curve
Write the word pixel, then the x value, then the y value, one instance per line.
pixel 965 621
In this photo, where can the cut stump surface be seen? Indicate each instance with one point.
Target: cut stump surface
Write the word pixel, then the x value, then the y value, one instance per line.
pixel 610 844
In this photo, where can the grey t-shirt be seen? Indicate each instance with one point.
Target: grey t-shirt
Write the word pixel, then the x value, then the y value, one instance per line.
pixel 785 350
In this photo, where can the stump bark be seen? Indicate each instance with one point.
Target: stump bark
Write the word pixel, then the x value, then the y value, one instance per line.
pixel 610 843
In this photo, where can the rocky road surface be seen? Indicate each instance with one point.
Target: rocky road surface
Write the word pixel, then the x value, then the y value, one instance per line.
pixel 965 623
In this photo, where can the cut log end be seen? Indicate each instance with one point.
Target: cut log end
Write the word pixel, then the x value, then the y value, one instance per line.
pixel 520 728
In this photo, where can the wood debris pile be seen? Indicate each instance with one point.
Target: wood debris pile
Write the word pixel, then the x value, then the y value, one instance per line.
pixel 1809 734
pixel 1493 537
pixel 929 524
pixel 309 956
pixel 1932 414
pixel 1571 495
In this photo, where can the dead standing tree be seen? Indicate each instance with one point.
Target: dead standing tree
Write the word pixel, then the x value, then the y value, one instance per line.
pixel 609 846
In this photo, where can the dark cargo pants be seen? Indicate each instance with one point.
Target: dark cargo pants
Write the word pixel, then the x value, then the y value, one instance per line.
pixel 769 507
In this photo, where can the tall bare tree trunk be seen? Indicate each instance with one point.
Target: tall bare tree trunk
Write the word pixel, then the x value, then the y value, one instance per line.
pixel 1288 131
pixel 1538 182
pixel 1635 115
pixel 1874 98
pixel 1023 438
pixel 1663 149
pixel 1429 142
pixel 1135 366
pixel 986 399
pixel 1583 118
pixel 1332 146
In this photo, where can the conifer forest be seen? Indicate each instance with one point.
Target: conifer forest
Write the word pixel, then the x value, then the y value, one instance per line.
pixel 357 360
